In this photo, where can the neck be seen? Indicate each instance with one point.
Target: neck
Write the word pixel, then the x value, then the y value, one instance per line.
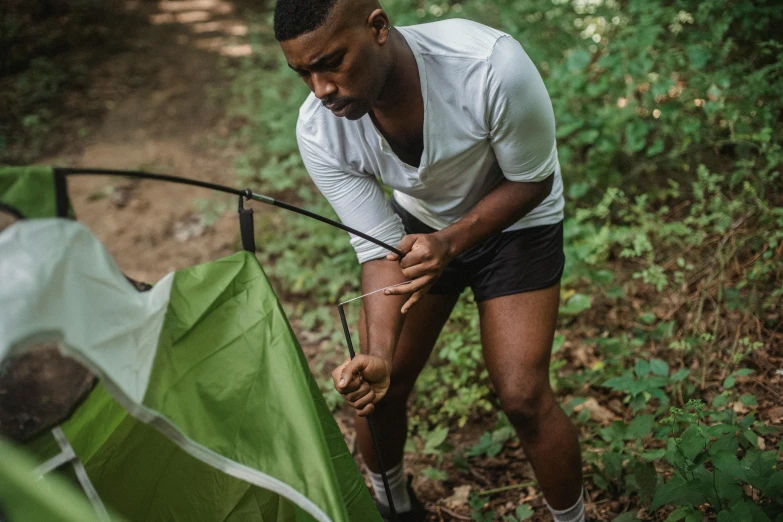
pixel 402 87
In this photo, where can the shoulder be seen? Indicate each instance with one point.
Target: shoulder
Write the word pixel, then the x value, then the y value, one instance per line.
pixel 456 38
pixel 511 69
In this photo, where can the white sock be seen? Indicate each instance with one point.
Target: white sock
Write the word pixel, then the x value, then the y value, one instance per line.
pixel 575 513
pixel 399 491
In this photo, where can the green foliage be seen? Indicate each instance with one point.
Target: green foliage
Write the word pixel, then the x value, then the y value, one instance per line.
pixel 708 468
pixel 477 503
pixel 492 443
pixel 647 380
pixel 521 513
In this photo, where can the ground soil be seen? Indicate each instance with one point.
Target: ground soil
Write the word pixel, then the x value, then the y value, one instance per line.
pixel 163 101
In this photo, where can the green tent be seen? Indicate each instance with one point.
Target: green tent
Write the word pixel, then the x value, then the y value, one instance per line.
pixel 206 410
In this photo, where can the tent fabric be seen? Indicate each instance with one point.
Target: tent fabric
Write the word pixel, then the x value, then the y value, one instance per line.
pixel 208 358
pixel 24 498
pixel 29 190
pixel 58 279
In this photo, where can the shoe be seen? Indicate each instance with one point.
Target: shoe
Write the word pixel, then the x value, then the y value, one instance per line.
pixel 417 512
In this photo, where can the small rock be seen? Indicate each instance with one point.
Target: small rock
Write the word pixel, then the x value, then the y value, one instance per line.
pixel 187 230
pixel 740 408
pixel 459 498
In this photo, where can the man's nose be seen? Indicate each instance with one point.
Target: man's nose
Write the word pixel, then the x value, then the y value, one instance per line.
pixel 322 86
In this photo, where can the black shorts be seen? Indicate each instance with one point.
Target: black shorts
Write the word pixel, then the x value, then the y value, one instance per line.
pixel 504 264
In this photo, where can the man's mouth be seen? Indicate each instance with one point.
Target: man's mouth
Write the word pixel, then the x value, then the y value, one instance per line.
pixel 337 106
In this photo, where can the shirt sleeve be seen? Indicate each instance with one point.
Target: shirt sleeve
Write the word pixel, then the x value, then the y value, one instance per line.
pixel 519 113
pixel 357 199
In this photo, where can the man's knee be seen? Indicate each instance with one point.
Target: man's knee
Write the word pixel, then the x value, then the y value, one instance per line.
pixel 527 403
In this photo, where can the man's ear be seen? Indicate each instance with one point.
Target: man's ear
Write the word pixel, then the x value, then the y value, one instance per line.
pixel 380 24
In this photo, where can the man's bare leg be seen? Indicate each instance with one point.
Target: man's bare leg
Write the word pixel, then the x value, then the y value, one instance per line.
pixel 517 333
pixel 422 327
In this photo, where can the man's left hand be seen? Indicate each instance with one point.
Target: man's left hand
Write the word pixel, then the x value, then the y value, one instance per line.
pixel 426 256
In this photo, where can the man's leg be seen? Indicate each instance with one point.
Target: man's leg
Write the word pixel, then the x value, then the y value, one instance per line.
pixel 517 333
pixel 418 336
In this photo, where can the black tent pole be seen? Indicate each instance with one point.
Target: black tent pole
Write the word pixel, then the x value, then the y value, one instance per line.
pixel 369 420
pixel 246 193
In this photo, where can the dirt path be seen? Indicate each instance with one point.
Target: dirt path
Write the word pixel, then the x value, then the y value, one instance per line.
pixel 164 99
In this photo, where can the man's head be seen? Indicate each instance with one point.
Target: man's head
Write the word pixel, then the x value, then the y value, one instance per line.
pixel 338 47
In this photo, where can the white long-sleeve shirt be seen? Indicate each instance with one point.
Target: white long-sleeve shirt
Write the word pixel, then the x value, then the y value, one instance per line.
pixel 487 115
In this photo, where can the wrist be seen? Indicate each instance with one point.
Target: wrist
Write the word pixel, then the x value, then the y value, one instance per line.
pixel 449 238
pixel 383 352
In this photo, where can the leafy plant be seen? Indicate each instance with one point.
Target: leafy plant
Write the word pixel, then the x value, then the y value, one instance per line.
pixel 712 463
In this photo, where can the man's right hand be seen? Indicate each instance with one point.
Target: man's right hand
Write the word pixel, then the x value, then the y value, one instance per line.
pixel 363 381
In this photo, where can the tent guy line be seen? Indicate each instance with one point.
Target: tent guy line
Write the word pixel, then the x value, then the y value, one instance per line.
pixel 374 292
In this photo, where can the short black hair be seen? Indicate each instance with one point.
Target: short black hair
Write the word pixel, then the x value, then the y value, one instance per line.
pixel 297 17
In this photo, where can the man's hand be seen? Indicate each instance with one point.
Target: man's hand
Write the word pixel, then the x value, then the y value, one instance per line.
pixel 426 256
pixel 363 381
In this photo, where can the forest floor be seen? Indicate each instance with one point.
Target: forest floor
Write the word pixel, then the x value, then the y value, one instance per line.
pixel 157 101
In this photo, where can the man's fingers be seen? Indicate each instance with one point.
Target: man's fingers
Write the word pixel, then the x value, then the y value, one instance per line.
pixel 363 390
pixel 415 257
pixel 408 288
pixel 412 301
pixel 420 271
pixel 407 243
pixel 338 372
pixel 352 373
pixel 362 402
pixel 346 380
pixel 366 410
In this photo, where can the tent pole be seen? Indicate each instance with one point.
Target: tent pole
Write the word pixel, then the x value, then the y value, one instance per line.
pixel 369 420
pixel 246 193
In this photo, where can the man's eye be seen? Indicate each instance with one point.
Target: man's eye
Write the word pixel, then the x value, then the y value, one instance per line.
pixel 334 64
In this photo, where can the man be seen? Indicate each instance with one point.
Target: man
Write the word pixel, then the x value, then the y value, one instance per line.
pixel 455 117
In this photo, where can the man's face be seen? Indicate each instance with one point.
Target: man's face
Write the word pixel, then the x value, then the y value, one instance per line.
pixel 342 63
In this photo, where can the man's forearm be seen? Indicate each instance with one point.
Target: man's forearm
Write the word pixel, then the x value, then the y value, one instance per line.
pixel 383 317
pixel 503 206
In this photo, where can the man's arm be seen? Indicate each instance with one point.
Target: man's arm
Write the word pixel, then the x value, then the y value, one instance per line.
pixel 426 255
pixel 522 135
pixel 364 380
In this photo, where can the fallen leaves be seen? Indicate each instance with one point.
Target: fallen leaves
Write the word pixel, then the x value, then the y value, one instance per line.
pixel 598 413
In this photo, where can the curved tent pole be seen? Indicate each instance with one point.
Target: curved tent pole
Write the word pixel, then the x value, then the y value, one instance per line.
pixel 61 172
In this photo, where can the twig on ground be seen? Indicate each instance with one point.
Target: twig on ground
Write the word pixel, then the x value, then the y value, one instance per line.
pixel 453 514
pixel 479 476
pixel 507 488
